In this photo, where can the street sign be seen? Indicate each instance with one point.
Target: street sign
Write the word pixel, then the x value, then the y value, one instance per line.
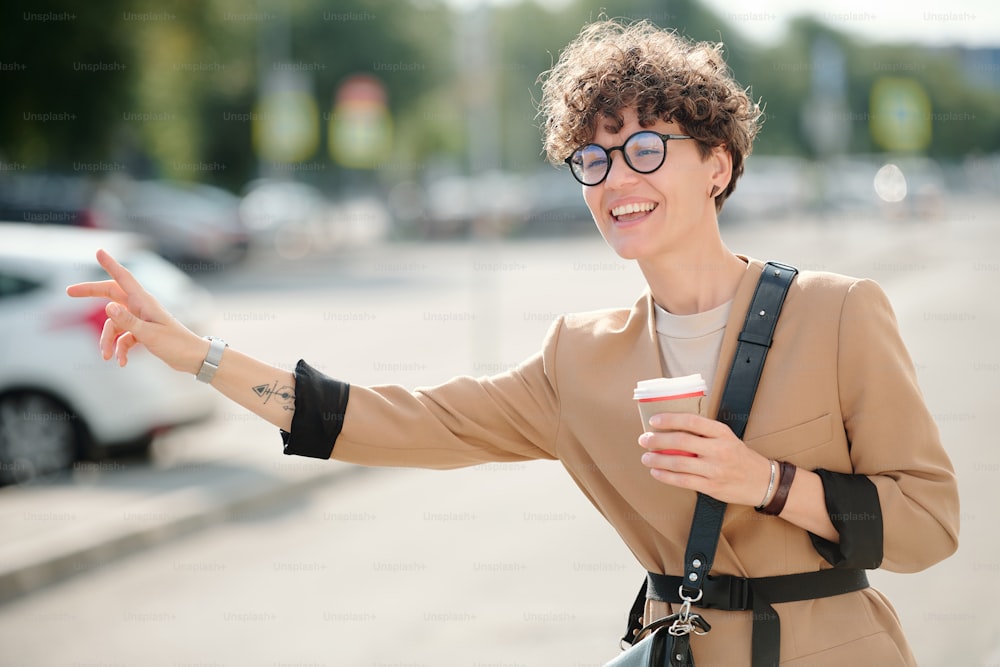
pixel 360 130
pixel 900 114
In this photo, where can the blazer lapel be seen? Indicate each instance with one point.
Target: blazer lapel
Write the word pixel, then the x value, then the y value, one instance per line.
pixel 649 361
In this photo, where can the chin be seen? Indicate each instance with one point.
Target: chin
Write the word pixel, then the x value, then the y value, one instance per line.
pixel 626 250
pixel 631 243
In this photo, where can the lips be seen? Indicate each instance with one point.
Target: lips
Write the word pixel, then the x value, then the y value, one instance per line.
pixel 632 211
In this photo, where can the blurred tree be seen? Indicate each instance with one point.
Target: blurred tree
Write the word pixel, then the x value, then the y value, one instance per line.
pixel 530 36
pixel 64 87
pixel 528 40
pixel 404 45
pixel 169 87
pixel 786 77
pixel 964 117
pixel 180 53
pixel 780 81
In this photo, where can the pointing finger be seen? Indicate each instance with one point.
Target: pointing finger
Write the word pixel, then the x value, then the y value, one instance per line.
pixel 119 273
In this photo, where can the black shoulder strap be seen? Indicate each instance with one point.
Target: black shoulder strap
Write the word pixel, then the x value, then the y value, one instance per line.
pixel 734 411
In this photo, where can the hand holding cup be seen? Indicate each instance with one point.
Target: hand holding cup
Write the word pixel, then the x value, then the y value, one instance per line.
pixel 677 394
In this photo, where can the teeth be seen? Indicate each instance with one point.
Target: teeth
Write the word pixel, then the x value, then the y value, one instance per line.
pixel 632 208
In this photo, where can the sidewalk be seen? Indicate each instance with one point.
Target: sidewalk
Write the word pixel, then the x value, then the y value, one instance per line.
pixel 100 512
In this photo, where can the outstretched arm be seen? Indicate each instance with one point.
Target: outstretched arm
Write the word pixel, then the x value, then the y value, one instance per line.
pixel 136 317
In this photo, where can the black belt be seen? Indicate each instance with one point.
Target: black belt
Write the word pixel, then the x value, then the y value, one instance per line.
pixel 731 593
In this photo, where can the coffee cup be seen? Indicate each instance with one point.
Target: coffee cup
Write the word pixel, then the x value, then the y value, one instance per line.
pixel 677 394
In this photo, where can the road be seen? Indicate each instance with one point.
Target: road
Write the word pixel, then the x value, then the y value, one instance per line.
pixel 501 564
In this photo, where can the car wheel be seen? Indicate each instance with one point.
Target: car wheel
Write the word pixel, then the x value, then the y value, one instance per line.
pixel 38 436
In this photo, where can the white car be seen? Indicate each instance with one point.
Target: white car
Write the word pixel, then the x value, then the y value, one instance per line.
pixel 59 400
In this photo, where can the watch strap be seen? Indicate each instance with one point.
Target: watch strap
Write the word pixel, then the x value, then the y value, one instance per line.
pixel 216 347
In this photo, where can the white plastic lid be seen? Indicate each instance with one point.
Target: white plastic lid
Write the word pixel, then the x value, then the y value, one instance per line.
pixel 661 387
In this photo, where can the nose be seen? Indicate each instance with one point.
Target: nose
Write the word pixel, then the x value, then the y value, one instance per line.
pixel 619 173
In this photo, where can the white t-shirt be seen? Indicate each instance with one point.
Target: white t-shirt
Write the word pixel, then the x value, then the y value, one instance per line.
pixel 692 343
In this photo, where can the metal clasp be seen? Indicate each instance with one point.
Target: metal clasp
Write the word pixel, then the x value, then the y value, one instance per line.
pixel 687 622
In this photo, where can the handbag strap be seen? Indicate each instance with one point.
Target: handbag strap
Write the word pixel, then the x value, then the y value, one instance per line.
pixel 734 411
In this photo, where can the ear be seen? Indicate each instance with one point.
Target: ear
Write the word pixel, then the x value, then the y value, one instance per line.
pixel 721 169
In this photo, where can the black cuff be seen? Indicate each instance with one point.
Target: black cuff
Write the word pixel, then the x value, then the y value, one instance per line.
pixel 320 406
pixel 856 513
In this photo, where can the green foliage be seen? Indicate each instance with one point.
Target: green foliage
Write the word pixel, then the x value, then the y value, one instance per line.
pixel 63 90
pixel 169 88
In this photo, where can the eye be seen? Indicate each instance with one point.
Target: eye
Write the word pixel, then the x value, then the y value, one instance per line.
pixel 591 157
pixel 648 151
pixel 595 162
pixel 645 145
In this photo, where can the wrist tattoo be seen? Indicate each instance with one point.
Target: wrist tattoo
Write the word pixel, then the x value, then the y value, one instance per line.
pixel 284 394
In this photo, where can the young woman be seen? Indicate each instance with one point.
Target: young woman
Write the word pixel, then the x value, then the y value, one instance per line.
pixel 656 131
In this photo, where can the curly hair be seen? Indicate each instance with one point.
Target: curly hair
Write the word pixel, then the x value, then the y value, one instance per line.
pixel 614 65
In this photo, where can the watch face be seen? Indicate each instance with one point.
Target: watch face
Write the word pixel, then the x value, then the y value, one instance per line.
pixel 215 351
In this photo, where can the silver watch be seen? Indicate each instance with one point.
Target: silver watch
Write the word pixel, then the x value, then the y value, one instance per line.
pixel 212 359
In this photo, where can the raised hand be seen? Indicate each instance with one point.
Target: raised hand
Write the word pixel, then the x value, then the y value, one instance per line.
pixel 135 316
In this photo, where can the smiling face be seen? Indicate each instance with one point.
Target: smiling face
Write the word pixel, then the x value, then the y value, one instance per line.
pixel 662 215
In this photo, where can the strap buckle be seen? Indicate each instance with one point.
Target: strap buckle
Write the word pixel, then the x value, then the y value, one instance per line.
pixel 739 593
pixel 728 592
pixel 685 622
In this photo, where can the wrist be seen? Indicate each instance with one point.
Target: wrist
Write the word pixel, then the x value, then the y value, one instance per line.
pixel 195 355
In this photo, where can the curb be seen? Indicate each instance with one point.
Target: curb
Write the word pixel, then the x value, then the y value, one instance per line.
pixel 57 558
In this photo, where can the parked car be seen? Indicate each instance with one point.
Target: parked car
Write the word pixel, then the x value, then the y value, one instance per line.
pixel 56 199
pixel 59 401
pixel 293 219
pixel 198 227
pixel 555 206
pixel 285 217
pixel 772 187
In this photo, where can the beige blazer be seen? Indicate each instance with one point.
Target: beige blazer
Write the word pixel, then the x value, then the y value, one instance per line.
pixel 838 392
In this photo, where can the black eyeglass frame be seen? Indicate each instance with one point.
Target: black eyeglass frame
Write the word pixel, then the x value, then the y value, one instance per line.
pixel 607 151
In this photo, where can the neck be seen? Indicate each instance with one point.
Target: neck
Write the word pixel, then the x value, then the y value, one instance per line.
pixel 702 279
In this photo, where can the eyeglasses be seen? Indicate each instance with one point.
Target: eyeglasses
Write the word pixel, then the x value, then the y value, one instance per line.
pixel 644 152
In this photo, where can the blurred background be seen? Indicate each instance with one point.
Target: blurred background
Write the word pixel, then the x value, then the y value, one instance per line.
pixel 332 123
pixel 304 178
